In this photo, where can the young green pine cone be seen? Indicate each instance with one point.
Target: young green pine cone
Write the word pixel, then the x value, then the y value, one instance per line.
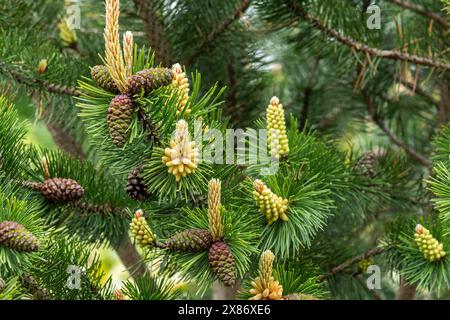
pixel 272 206
pixel 222 262
pixel 142 231
pixel 276 126
pixel 103 79
pixel 148 80
pixel 120 111
pixel 431 249
pixel 180 81
pixel 182 156
pixel 191 240
pixel 136 187
pixel 17 237
pixel 299 296
pixel 58 190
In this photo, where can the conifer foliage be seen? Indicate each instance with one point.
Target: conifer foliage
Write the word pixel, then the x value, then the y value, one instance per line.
pixel 276 149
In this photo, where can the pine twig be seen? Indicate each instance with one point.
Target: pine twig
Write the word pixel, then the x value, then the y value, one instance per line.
pixel 219 29
pixel 46 85
pixel 405 4
pixel 361 47
pixel 372 252
pixel 391 135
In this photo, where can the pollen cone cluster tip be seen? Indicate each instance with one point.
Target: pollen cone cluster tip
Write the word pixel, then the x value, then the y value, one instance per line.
pixel 214 203
pixel 182 156
pixel 113 51
pixel 276 126
pixel 181 83
pixel 264 287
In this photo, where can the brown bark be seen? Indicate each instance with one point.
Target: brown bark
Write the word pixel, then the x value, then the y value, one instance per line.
pixel 405 291
pixel 65 141
pixel 129 256
pixel 220 292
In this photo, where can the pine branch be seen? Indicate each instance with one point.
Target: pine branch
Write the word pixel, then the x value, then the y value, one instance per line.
pixel 391 135
pixel 45 85
pixel 361 47
pixel 154 30
pixel 307 95
pixel 218 30
pixel 64 140
pixel 130 257
pixel 370 253
pixel 405 4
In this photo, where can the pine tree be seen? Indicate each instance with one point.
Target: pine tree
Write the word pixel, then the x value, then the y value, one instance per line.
pixel 354 171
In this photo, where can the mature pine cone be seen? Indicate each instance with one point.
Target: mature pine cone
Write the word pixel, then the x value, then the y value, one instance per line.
pixel 222 262
pixel 102 77
pixel 15 236
pixel 119 118
pixel 148 80
pixel 59 190
pixel 136 187
pixel 190 240
pixel 366 164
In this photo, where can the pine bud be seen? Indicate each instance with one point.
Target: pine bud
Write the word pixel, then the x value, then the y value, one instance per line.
pixel 42 66
pixel 181 82
pixel 272 206
pixel 214 207
pixel 278 141
pixel 17 237
pixel 265 287
pixel 142 231
pixel 128 44
pixel 431 249
pixel 182 156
